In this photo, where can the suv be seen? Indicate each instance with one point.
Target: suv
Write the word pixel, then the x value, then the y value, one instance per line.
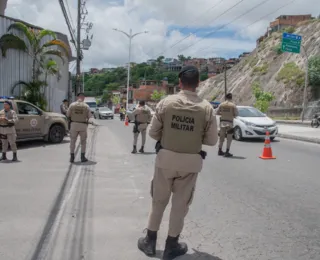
pixel 34 123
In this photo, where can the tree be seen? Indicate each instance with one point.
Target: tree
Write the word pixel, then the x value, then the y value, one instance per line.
pixel 32 43
pixel 160 60
pixel 50 68
pixel 115 100
pixel 157 96
pixel 203 77
pixel 182 58
pixel 314 71
pixel 263 98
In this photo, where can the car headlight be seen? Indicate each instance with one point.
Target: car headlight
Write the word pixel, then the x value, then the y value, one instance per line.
pixel 247 123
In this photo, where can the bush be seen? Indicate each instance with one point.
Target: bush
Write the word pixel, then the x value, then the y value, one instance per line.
pixel 314 71
pixel 289 29
pixel 289 73
pixel 263 98
pixel 277 49
pixel 261 70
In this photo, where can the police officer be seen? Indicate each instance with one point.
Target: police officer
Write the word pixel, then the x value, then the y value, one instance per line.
pixel 79 114
pixel 142 117
pixel 228 111
pixel 182 124
pixel 8 119
pixel 64 107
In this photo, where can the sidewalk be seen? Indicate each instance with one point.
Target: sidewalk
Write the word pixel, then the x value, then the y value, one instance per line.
pixel 299 132
pixel 294 122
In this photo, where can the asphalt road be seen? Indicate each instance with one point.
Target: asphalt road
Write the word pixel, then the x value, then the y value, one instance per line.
pixel 245 208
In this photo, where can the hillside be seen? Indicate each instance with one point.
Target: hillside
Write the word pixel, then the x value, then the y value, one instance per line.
pixel 282 74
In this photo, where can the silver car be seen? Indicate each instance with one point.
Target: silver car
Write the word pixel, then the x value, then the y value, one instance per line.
pixel 103 113
pixel 132 108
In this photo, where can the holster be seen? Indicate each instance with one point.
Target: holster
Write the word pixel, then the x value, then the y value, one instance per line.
pixel 158 147
pixel 230 131
pixel 3 137
pixel 135 128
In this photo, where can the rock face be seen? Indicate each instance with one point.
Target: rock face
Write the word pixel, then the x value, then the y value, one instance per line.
pixel 279 73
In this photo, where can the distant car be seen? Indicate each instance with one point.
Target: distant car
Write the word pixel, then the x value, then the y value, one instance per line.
pixel 103 113
pixel 252 123
pixel 92 103
pixel 132 108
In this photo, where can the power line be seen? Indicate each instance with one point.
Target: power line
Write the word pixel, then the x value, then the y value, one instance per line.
pixel 201 28
pixel 70 14
pixel 225 25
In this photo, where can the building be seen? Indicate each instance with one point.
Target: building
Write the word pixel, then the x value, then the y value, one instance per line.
pixel 94 71
pixel 284 21
pixel 147 87
pixel 16 66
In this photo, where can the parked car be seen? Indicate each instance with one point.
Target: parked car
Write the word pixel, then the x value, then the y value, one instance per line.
pixel 132 108
pixel 252 123
pixel 103 113
pixel 92 103
pixel 35 123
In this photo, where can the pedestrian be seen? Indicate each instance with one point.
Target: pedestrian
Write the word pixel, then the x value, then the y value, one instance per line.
pixel 79 114
pixel 8 119
pixel 142 117
pixel 182 124
pixel 228 111
pixel 64 107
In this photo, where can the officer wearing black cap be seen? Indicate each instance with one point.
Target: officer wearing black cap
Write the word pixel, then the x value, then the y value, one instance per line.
pixel 228 111
pixel 79 114
pixel 182 124
pixel 64 107
pixel 8 119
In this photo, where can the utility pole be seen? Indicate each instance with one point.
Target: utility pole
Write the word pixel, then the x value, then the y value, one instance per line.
pixel 78 80
pixel 225 81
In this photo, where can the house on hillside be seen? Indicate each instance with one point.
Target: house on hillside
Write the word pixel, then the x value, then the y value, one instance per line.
pixel 94 71
pixel 284 21
pixel 16 66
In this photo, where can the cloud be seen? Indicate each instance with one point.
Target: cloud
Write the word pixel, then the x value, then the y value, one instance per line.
pixel 167 21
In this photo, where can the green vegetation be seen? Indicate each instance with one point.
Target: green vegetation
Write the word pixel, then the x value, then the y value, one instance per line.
pixel 34 44
pixel 203 77
pixel 252 61
pixel 277 49
pixel 261 70
pixel 263 98
pixel 157 96
pixel 291 73
pixel 289 29
pixel 115 100
pixel 314 71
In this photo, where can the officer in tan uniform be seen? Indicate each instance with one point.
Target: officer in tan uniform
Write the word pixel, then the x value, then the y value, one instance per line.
pixel 8 119
pixel 64 107
pixel 228 111
pixel 182 124
pixel 79 114
pixel 142 117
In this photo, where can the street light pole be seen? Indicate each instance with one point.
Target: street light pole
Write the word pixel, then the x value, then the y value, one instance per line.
pixel 306 82
pixel 130 36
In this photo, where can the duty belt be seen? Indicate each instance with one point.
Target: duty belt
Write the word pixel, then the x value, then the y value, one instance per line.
pixel 158 147
pixel 9 125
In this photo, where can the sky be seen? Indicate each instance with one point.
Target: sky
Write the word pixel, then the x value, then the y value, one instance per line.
pixel 196 28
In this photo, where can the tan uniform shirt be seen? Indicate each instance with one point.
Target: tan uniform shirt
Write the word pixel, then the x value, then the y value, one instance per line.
pixel 142 116
pixel 79 113
pixel 12 118
pixel 228 111
pixel 183 122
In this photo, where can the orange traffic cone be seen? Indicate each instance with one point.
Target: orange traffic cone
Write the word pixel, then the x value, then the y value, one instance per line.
pixel 126 122
pixel 267 151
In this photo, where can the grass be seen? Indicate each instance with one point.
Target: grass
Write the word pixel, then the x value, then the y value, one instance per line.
pixel 291 73
pixel 261 70
pixel 277 49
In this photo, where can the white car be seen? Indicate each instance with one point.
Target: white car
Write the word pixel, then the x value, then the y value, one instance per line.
pixel 103 113
pixel 252 123
pixel 132 108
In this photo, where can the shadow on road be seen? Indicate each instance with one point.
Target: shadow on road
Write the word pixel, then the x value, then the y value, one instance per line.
pixel 36 143
pixel 10 161
pixel 237 157
pixel 85 163
pixel 197 255
pixel 254 140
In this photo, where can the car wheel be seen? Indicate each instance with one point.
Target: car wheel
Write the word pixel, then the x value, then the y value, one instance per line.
pixel 237 133
pixel 112 117
pixel 100 117
pixel 56 134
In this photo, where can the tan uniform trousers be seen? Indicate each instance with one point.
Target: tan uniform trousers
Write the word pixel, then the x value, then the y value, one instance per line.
pixel 11 139
pixel 143 130
pixel 224 128
pixel 78 129
pixel 182 186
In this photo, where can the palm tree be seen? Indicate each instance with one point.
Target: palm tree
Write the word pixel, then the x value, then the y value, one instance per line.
pixel 32 43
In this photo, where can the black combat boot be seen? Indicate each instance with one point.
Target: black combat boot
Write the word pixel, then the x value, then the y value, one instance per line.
pixel 134 149
pixel 141 149
pixel 220 152
pixel 3 157
pixel 174 249
pixel 15 158
pixel 83 158
pixel 72 157
pixel 148 244
pixel 228 154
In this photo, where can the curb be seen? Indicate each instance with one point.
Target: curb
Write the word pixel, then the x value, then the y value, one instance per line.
pixel 288 122
pixel 300 138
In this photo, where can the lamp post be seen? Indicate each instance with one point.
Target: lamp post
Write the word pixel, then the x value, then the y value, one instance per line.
pixel 130 36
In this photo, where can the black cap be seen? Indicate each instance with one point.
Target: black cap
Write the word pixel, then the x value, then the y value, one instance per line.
pixel 188 68
pixel 229 96
pixel 65 100
pixel 80 94
pixel 7 102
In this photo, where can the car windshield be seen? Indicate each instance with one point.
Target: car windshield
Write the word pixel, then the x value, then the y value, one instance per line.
pixel 250 112
pixel 104 109
pixel 92 104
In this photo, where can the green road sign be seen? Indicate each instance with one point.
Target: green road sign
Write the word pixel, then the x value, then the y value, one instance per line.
pixel 291 43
